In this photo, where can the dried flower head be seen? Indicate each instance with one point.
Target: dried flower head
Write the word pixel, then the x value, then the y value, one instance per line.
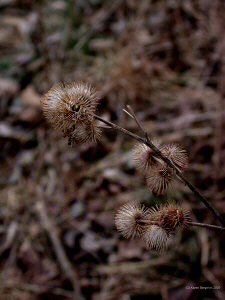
pixel 170 216
pixel 176 154
pixel 84 132
pixel 156 238
pixel 70 109
pixel 144 157
pixel 160 178
pixel 129 220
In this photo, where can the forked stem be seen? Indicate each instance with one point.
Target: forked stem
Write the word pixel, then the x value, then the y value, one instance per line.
pixel 147 142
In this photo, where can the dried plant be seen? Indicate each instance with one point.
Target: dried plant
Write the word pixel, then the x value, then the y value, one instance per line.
pixel 129 220
pixel 176 154
pixel 156 238
pixel 170 216
pixel 84 132
pixel 160 178
pixel 144 157
pixel 72 110
pixel 155 226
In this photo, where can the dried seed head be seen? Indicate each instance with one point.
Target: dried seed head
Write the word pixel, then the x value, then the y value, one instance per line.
pixel 176 154
pixel 144 157
pixel 128 220
pixel 64 102
pixel 70 109
pixel 160 178
pixel 170 216
pixel 156 238
pixel 84 132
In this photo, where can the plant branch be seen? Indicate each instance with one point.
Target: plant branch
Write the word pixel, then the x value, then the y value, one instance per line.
pixel 206 225
pixel 178 173
pixel 132 114
pixel 147 142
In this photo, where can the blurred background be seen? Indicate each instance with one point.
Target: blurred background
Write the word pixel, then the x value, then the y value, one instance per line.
pixel 166 60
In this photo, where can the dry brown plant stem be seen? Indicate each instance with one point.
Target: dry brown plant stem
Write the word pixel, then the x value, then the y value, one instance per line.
pixel 147 142
pixel 148 222
pixel 206 225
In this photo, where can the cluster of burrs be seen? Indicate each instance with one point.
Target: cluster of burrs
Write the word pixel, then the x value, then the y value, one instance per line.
pixel 160 177
pixel 155 226
pixel 71 110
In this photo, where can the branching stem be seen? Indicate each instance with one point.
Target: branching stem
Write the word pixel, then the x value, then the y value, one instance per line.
pixel 147 142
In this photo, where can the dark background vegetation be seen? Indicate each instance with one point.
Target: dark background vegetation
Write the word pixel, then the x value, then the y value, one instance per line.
pixel 57 233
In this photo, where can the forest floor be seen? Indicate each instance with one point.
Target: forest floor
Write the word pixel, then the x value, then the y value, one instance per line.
pixel 166 60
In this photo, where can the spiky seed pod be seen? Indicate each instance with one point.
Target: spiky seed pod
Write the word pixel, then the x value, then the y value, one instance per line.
pixel 170 216
pixel 68 107
pixel 156 238
pixel 84 132
pixel 129 220
pixel 176 154
pixel 144 157
pixel 70 102
pixel 160 178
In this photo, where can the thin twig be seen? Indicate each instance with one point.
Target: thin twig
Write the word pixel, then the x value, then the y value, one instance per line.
pixel 150 222
pixel 206 225
pixel 147 142
pixel 136 120
pixel 105 127
pixel 128 113
pixel 59 250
